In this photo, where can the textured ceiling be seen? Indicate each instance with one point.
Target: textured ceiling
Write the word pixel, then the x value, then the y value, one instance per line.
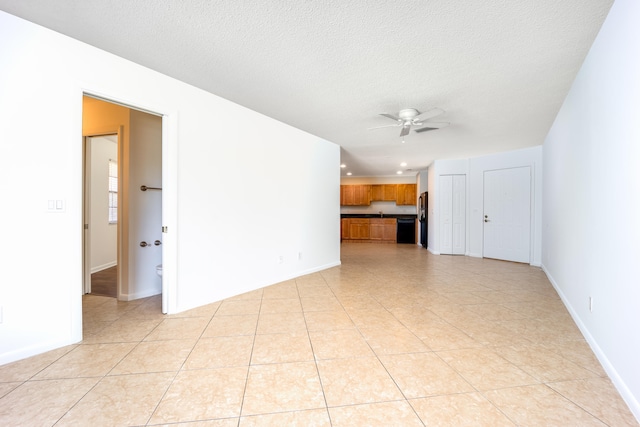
pixel 500 69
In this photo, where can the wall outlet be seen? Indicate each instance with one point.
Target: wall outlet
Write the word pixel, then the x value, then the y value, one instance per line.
pixel 280 259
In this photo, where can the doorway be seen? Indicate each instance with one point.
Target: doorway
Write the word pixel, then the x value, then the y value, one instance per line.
pixel 139 234
pixel 507 214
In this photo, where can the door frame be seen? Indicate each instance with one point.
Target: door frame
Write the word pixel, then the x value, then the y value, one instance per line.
pixel 169 185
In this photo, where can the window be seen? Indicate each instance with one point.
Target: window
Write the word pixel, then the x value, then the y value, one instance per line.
pixel 113 192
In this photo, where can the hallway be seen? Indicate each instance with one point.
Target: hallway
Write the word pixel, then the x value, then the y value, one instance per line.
pixel 395 336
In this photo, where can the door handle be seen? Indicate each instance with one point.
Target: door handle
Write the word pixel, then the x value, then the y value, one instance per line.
pixel 486 220
pixel 144 244
pixel 157 243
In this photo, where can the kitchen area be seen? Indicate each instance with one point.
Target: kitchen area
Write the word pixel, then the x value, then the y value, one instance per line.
pixel 382 213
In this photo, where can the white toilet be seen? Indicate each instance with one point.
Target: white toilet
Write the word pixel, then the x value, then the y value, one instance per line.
pixel 159 270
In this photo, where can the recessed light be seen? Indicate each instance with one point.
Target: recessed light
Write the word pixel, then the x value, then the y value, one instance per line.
pixel 403 164
pixel 349 173
pixel 343 166
pixel 399 172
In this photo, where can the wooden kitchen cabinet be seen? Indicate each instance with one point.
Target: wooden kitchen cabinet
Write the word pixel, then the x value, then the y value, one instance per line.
pixel 382 229
pixel 359 228
pixel 383 192
pixel 355 195
pixel 344 228
pixel 406 194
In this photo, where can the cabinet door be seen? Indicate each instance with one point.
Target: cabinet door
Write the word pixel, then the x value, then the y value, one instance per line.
pixel 376 229
pixel 362 195
pixel 359 228
pixel 347 195
pixel 406 194
pixel 389 230
pixel 389 192
pixel 344 229
pixel 377 193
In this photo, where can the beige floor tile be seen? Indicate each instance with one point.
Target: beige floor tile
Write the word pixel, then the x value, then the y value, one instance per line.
pixel 313 418
pixel 42 403
pixel 281 348
pixel 155 356
pixel 424 375
pixel 354 381
pixel 340 344
pixel 318 291
pixel 205 311
pixel 385 341
pixel 220 352
pixel 383 414
pixel 201 395
pixel 235 307
pixel 124 330
pixel 321 303
pixel 120 400
pixel 24 369
pixel 485 370
pixel 538 405
pixel 281 323
pixel 599 397
pixel 5 388
pixel 91 360
pixel 282 387
pixel 327 320
pixel 281 305
pixel 221 326
pixel 224 422
pixel 467 409
pixel 447 337
pixel 178 328
pixel 374 319
pixel 286 289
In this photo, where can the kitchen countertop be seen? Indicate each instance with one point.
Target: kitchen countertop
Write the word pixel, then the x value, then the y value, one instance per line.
pixel 378 216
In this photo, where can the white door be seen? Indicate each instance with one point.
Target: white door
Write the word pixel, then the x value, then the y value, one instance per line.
pixel 458 215
pixel 507 214
pixel 452 214
pixel 446 214
pixel 100 225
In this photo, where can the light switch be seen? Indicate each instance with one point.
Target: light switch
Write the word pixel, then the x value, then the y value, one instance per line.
pixel 59 205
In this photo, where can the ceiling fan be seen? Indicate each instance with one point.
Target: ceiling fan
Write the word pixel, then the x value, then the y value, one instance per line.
pixel 411 117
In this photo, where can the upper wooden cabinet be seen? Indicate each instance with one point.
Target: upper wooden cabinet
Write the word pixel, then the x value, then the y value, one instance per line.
pixel 355 195
pixel 383 192
pixel 406 194
pixel 363 195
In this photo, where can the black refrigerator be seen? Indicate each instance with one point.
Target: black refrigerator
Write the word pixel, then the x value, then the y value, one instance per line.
pixel 422 217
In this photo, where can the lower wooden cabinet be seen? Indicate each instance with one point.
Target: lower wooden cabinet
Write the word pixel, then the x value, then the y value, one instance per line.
pixel 369 229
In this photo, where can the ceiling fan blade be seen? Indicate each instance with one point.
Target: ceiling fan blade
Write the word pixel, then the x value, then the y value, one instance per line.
pixel 429 114
pixel 405 130
pixel 385 126
pixel 431 126
pixel 390 116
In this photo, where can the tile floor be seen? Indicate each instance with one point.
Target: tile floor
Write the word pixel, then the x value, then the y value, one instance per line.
pixel 393 337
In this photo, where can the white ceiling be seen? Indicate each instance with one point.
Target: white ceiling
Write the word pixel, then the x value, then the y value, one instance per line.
pixel 499 68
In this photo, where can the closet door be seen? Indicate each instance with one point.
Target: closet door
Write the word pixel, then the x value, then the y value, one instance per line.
pixel 446 214
pixel 452 189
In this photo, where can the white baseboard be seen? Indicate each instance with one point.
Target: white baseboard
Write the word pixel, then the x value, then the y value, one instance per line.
pixel 142 294
pixel 103 266
pixel 611 371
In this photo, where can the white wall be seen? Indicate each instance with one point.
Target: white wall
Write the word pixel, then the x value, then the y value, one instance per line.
pixel 592 199
pixel 104 236
pixel 282 183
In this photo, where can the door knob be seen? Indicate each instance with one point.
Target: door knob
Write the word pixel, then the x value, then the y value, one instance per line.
pixel 144 244
pixel 157 243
